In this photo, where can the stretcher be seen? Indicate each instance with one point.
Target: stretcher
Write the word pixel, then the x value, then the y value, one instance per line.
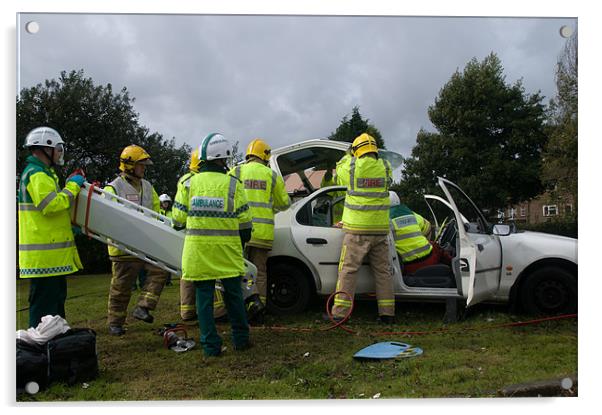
pixel 134 229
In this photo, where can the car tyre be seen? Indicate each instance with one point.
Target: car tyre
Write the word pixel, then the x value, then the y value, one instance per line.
pixel 289 289
pixel 550 291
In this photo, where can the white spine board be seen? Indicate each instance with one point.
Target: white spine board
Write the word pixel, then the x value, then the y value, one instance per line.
pixel 136 230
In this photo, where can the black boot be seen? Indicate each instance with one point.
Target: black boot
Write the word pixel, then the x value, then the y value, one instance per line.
pixel 116 330
pixel 255 310
pixel 142 313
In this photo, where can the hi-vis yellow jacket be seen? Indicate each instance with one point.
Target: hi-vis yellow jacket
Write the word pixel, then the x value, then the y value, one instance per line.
pixel 179 212
pixel 266 195
pixel 146 196
pixel 217 210
pixel 367 200
pixel 46 243
pixel 410 230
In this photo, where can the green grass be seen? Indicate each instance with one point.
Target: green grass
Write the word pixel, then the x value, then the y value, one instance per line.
pixel 458 363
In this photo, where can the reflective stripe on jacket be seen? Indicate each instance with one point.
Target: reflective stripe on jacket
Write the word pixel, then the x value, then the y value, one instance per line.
pixel 46 243
pixel 410 242
pixel 367 203
pixel 179 209
pixel 146 197
pixel 217 210
pixel 266 195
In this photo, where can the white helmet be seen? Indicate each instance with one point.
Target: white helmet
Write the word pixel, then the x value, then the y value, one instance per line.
pixel 46 137
pixel 43 136
pixel 164 198
pixel 214 147
pixel 393 198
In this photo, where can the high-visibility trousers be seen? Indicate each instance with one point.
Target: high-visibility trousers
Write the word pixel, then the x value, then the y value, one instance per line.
pixel 259 258
pixel 188 301
pixel 124 275
pixel 355 248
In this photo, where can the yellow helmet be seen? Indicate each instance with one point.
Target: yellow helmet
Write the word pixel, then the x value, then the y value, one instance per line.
pixel 195 161
pixel 130 156
pixel 259 149
pixel 364 144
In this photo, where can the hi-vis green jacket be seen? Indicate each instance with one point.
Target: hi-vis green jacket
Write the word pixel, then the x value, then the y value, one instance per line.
pixel 216 211
pixel 367 200
pixel 146 197
pixel 46 244
pixel 266 195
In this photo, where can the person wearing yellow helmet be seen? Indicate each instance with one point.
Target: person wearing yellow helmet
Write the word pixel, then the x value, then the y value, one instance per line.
pixel 131 185
pixel 179 216
pixel 366 226
pixel 267 195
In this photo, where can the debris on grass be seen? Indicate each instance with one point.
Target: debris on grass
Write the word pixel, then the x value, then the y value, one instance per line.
pixel 376 396
pixel 306 354
pixel 85 385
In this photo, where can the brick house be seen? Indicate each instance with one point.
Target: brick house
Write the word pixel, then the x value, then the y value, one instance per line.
pixel 543 208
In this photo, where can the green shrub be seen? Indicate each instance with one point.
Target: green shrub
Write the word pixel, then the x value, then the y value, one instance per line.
pixel 564 228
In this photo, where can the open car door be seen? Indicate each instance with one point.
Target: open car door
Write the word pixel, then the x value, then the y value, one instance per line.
pixel 480 250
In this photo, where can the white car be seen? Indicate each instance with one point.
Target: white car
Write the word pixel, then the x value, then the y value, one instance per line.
pixel 491 263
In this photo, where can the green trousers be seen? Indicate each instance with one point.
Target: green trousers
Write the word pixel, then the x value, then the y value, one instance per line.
pixel 47 295
pixel 210 339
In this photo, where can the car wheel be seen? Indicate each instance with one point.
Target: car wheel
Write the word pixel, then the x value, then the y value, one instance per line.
pixel 550 291
pixel 289 290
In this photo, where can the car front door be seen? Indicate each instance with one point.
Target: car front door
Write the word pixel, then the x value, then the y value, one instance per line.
pixel 480 250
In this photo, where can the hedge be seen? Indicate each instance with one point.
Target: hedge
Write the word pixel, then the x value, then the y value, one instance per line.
pixel 564 228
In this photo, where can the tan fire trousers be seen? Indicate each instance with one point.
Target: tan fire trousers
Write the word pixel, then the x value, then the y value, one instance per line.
pixel 124 275
pixel 259 258
pixel 354 250
pixel 188 301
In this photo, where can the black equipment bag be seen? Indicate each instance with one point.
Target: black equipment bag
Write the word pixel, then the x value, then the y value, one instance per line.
pixel 72 356
pixel 32 364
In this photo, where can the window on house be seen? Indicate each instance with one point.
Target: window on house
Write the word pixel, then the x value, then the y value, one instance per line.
pixel 511 213
pixel 568 209
pixel 550 210
pixel 523 211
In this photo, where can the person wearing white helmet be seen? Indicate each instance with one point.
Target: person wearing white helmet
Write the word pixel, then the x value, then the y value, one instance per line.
pixel 47 251
pixel 412 234
pixel 179 216
pixel 218 224
pixel 166 204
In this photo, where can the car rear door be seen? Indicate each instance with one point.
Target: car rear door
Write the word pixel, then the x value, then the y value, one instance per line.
pixel 316 238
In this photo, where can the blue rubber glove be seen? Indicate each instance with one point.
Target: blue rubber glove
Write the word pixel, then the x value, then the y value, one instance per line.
pixel 78 178
pixel 76 230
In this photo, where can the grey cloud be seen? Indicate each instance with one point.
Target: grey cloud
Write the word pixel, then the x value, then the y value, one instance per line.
pixel 285 78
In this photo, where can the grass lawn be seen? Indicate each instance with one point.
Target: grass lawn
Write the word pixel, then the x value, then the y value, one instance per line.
pixel 460 363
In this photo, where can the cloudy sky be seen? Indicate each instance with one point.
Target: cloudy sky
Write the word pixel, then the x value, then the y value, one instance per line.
pixel 284 78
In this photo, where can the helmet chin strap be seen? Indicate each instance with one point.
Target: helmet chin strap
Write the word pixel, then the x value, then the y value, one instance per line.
pixel 50 156
pixel 133 176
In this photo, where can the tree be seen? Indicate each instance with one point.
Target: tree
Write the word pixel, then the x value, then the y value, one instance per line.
pixel 489 138
pixel 560 156
pixel 96 124
pixel 350 128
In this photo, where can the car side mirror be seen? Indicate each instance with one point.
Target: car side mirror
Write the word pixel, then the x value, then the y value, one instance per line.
pixel 502 230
